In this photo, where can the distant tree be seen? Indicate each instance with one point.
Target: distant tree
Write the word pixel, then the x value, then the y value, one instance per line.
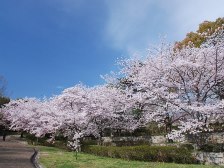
pixel 3 122
pixel 3 100
pixel 207 28
pixel 2 86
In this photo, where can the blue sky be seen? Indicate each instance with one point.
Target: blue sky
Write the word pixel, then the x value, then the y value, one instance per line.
pixel 48 45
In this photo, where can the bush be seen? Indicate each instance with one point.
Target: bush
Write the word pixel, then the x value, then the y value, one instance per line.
pixel 88 142
pixel 144 153
pixel 187 146
pixel 31 139
pixel 212 148
pixel 130 143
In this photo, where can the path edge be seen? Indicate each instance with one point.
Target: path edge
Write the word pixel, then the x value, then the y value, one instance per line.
pixel 34 159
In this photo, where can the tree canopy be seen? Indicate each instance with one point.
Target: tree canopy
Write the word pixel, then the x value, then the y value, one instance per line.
pixel 2 86
pixel 206 29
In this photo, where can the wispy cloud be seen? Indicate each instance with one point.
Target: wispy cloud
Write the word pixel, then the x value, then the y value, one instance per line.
pixel 132 25
pixel 127 23
pixel 187 15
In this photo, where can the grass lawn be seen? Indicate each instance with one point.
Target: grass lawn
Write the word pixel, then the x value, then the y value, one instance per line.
pixel 51 157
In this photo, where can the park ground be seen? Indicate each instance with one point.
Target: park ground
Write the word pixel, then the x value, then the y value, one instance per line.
pixel 51 157
pixel 15 153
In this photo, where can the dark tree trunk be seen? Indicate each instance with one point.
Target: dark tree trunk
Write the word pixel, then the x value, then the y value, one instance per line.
pixel 4 135
pixel 21 135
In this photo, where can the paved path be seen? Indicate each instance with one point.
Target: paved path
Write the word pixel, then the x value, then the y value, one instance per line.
pixel 15 153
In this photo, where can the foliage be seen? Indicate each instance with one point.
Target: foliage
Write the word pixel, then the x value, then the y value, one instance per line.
pixel 2 86
pixel 89 142
pixel 217 126
pixel 4 100
pixel 205 29
pixel 144 153
pixel 31 139
pixel 4 123
pixel 43 141
pixel 187 146
pixel 154 129
pixel 212 148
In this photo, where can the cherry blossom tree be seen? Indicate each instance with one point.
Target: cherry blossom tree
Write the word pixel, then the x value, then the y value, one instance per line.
pixel 32 115
pixel 89 111
pixel 172 87
pixel 181 85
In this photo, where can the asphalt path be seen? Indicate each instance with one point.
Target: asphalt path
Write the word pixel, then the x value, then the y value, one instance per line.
pixel 15 153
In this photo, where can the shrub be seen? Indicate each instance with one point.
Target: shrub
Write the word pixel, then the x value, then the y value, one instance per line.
pixel 88 142
pixel 31 139
pixel 130 143
pixel 212 148
pixel 187 146
pixel 144 153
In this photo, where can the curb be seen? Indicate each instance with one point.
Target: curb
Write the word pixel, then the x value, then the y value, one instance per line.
pixel 34 159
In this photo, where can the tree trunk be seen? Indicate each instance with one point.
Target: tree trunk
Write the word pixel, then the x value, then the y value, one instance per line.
pixel 21 135
pixel 4 135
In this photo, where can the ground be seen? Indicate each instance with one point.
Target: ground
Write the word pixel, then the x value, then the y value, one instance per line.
pixel 51 157
pixel 15 153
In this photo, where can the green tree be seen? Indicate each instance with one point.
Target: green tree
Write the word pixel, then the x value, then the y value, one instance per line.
pixel 4 100
pixel 2 86
pixel 205 29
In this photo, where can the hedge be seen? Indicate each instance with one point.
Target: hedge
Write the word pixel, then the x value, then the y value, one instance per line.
pixel 212 147
pixel 144 153
pixel 31 139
